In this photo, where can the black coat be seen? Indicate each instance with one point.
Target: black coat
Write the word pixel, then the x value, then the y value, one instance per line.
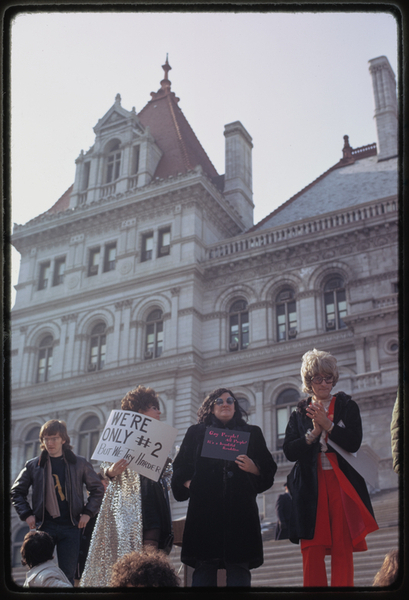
pixel 303 479
pixel 283 512
pixel 79 472
pixel 222 522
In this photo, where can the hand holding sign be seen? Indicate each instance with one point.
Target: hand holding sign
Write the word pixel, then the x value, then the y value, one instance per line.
pixel 246 464
pixel 137 441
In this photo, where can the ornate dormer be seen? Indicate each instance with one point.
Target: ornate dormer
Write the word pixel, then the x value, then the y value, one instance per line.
pixel 123 157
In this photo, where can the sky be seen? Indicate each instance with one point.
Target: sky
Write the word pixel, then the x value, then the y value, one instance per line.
pixel 297 81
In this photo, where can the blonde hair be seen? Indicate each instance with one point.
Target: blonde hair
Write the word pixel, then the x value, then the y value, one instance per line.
pixel 317 362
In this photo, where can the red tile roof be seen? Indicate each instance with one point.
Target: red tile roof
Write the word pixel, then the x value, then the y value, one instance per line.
pixel 181 149
pixel 168 125
pixel 62 203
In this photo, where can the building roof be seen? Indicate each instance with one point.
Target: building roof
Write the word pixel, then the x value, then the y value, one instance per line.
pixel 168 125
pixel 63 203
pixel 357 178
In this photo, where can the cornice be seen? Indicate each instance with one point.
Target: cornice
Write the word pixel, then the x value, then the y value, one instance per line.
pixel 150 200
pixel 266 260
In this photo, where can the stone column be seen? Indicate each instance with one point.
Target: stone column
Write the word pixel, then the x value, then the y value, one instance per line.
pixel 360 355
pixel 69 323
pixel 373 352
pixel 171 334
pixel 259 389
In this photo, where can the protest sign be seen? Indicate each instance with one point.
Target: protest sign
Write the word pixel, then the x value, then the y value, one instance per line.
pixel 226 444
pixel 143 441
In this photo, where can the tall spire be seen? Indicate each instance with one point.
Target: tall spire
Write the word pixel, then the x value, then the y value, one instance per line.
pixel 166 67
pixel 164 84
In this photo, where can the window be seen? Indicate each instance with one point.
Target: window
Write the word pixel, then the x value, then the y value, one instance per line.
pixel 59 270
pixel 93 263
pixel 113 164
pixel 32 444
pixel 154 335
pixel 286 402
pixel 238 326
pixel 44 275
pixel 45 359
pixel 88 437
pixel 135 160
pixel 97 348
pixel 335 304
pixel 286 315
pixel 245 404
pixel 164 242
pixel 85 175
pixel 110 257
pixel 147 247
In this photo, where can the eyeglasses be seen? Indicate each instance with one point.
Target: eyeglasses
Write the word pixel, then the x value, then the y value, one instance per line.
pixel 228 400
pixel 319 379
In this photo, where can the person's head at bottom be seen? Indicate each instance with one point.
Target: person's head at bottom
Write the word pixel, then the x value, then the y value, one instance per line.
pixel 37 548
pixel 149 568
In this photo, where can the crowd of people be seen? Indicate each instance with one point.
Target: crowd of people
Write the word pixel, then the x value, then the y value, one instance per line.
pixel 121 535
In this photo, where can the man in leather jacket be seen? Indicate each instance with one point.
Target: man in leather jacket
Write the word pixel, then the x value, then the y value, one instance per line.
pixel 57 478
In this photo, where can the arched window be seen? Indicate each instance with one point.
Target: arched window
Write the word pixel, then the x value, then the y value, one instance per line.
pixel 286 402
pixel 286 315
pixel 113 164
pixel 244 403
pixel 45 359
pixel 238 326
pixel 335 303
pixel 97 348
pixel 17 543
pixel 88 437
pixel 154 335
pixel 32 444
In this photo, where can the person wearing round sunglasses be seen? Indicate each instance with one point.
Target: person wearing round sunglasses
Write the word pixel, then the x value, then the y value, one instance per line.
pixel 331 510
pixel 222 529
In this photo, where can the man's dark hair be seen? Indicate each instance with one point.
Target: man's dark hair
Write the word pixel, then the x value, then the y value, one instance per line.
pixel 149 568
pixel 55 427
pixel 37 548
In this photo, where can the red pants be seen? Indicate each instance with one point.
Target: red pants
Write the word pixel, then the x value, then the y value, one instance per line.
pixel 340 546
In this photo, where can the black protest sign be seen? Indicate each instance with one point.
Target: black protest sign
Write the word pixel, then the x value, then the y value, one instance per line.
pixel 225 444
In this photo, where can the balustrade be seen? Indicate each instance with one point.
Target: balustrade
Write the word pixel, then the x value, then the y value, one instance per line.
pixel 257 240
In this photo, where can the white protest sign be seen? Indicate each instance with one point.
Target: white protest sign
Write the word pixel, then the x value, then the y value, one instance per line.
pixel 143 441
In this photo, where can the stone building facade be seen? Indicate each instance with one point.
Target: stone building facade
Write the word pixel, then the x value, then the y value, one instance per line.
pixel 149 270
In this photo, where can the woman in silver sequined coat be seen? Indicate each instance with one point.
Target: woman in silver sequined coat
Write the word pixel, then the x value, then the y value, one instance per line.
pixel 135 510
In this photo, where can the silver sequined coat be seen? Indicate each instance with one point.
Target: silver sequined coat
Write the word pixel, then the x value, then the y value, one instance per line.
pixel 118 528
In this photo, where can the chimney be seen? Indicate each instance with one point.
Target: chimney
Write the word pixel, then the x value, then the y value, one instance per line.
pixel 238 180
pixel 386 107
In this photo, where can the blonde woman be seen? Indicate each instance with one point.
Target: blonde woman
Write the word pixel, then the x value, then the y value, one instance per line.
pixel 331 508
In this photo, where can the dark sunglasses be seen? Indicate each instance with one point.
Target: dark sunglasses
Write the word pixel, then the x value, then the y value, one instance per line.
pixel 318 379
pixel 220 401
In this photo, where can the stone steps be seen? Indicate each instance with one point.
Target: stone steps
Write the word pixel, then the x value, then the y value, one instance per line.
pixel 283 563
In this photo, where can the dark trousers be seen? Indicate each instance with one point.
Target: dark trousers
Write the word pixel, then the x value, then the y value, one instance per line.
pixel 205 575
pixel 67 542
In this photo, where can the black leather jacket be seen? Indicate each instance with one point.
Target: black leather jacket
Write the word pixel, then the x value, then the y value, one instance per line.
pixel 79 472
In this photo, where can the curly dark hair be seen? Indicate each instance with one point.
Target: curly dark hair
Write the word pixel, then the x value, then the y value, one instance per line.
pixel 37 548
pixel 149 568
pixel 139 399
pixel 206 409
